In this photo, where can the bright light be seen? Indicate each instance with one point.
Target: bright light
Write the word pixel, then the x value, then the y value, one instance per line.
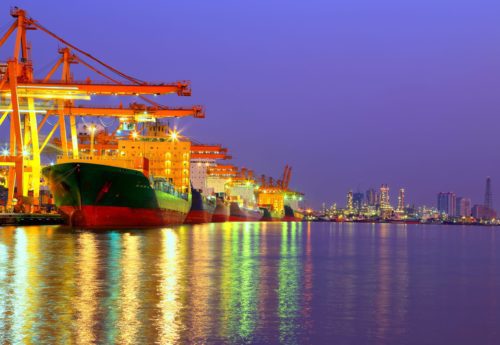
pixel 5 152
pixel 92 128
pixel 174 135
pixel 51 163
pixel 48 87
pixel 134 135
pixel 25 153
pixel 25 110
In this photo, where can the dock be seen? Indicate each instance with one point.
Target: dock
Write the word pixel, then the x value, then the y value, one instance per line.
pixel 30 219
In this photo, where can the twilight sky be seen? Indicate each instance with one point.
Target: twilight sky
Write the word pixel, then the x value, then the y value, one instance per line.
pixel 351 93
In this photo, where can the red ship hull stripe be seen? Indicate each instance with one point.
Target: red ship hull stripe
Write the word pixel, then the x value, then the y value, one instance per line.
pixel 220 218
pixel 198 217
pixel 121 217
pixel 243 219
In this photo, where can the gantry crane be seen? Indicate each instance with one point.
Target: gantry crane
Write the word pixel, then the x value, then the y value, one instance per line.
pixel 279 185
pixel 19 86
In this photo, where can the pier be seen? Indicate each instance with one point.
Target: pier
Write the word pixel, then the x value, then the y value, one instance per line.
pixel 30 219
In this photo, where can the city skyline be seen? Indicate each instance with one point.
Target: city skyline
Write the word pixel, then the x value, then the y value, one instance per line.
pixel 397 198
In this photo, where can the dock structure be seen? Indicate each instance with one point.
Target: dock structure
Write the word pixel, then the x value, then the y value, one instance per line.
pixel 31 219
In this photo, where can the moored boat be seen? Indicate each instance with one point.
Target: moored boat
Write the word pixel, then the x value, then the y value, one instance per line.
pixel 221 212
pixel 242 214
pixel 291 215
pixel 270 215
pixel 202 208
pixel 99 195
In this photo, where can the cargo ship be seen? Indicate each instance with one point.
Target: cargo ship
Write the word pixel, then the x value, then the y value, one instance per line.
pixel 202 208
pixel 124 181
pixel 240 194
pixel 221 212
pixel 277 200
pixel 271 215
pixel 291 215
pixel 218 176
pixel 99 195
pixel 208 199
pixel 243 214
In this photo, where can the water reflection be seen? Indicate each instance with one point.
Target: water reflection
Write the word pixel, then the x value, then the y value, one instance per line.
pixel 169 302
pixel 249 281
pixel 289 284
pixel 239 287
pixel 86 303
pixel 201 255
pixel 4 256
pixel 19 287
pixel 111 286
pixel 131 263
pixel 259 283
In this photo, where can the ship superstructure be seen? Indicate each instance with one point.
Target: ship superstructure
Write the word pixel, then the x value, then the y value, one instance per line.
pixel 277 200
pixel 218 177
pixel 240 193
pixel 204 200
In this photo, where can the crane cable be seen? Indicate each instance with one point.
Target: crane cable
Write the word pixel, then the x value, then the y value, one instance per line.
pixel 144 98
pixel 50 33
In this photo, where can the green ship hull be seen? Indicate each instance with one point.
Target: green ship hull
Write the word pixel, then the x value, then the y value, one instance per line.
pixel 97 195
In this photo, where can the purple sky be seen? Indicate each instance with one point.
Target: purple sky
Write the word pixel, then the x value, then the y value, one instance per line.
pixel 351 93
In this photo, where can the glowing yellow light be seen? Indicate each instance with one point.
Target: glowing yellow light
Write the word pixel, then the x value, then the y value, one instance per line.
pixel 48 87
pixel 134 135
pixel 25 110
pixel 174 135
pixel 25 153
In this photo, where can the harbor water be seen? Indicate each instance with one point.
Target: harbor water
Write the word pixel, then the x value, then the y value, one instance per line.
pixel 251 283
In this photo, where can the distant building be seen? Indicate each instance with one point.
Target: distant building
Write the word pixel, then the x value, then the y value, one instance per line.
pixel 401 200
pixel 371 197
pixel 447 203
pixel 349 201
pixel 384 197
pixel 463 207
pixel 483 212
pixel 357 200
pixel 488 196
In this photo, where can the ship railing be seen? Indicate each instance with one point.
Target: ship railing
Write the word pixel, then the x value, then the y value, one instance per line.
pixel 94 158
pixel 167 187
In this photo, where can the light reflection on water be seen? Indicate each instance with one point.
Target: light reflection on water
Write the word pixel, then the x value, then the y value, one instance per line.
pixel 251 283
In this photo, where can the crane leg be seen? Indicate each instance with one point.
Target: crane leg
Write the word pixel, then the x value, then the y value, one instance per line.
pixel 16 128
pixel 35 145
pixel 74 136
pixel 62 128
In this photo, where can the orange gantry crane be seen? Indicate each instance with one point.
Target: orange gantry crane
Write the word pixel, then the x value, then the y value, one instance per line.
pixel 281 184
pixel 21 94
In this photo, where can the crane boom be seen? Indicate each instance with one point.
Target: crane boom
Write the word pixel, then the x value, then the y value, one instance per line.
pixel 43 88
pixel 195 111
